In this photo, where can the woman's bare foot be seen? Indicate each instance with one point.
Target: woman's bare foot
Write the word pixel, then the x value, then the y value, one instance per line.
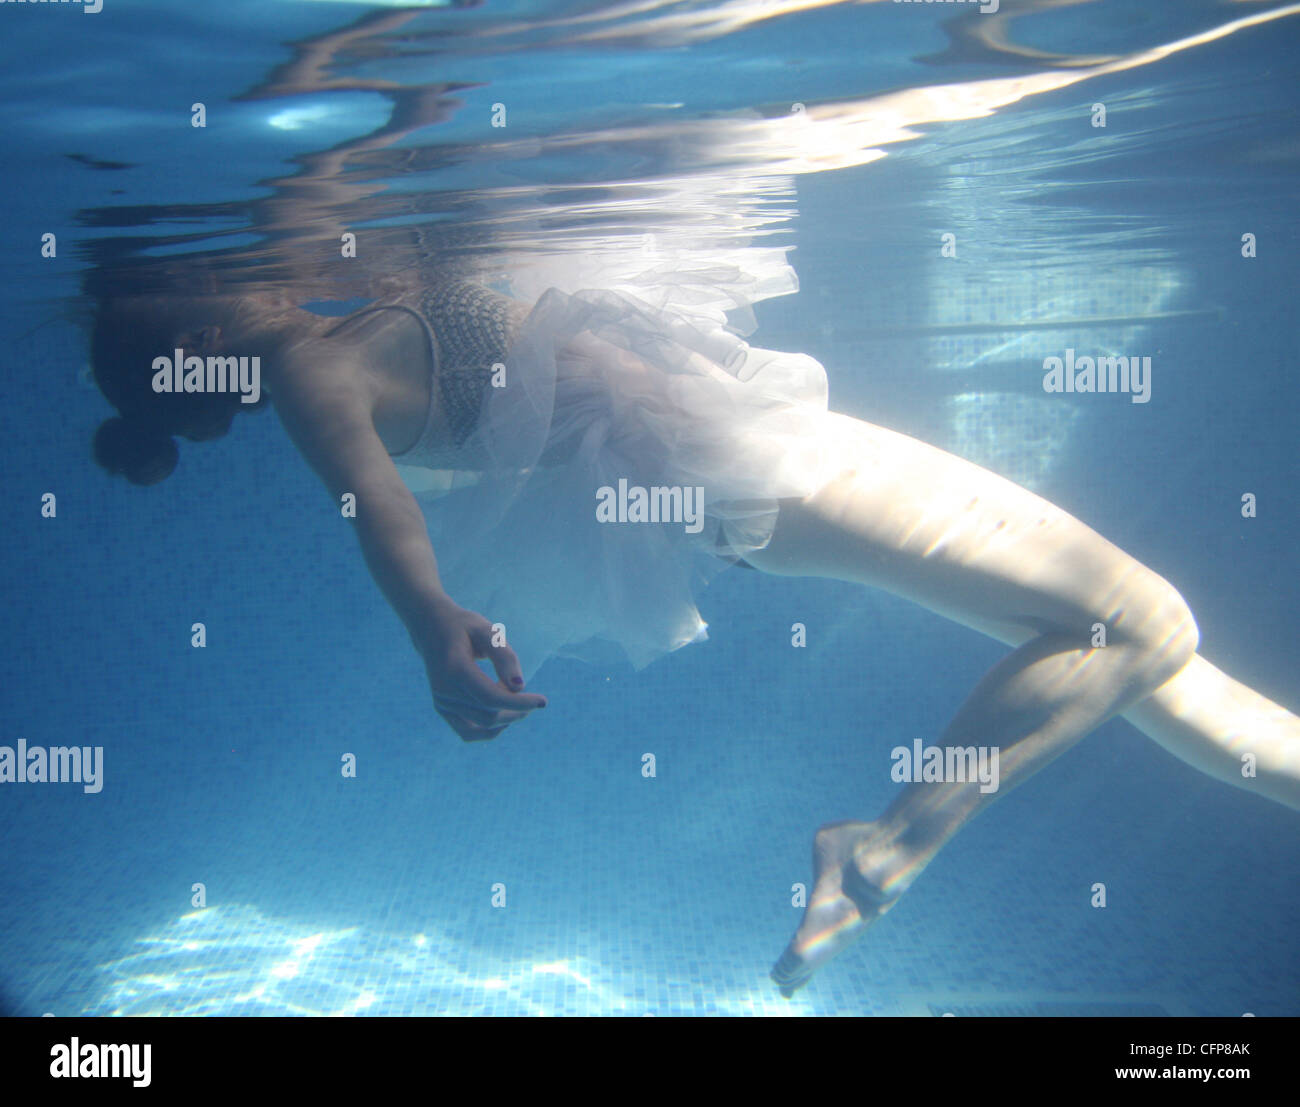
pixel 842 905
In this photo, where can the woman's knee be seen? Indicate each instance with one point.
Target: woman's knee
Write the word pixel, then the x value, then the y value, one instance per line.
pixel 1165 628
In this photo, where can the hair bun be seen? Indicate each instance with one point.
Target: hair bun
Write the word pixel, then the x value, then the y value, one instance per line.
pixel 140 452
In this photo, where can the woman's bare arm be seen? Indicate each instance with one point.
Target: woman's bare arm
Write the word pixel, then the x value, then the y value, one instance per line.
pixel 328 413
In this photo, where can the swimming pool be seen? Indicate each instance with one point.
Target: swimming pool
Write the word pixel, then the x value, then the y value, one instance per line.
pixel 957 212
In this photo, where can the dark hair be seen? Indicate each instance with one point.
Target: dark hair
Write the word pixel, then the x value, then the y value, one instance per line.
pixel 128 334
pixel 138 451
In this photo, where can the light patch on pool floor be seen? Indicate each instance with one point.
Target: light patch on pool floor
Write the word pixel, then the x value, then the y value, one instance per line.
pixel 234 960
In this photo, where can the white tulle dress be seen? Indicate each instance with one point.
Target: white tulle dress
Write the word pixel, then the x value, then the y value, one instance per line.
pixel 609 389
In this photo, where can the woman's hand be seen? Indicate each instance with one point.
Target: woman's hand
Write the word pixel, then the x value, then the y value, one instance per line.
pixel 475 707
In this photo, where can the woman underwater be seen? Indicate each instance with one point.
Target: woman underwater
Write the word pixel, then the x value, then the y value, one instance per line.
pixel 528 415
pixel 535 409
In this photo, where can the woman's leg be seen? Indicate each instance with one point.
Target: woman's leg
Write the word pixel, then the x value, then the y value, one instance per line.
pixel 1228 731
pixel 903 516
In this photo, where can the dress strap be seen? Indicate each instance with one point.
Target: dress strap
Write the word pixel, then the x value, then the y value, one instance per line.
pixel 374 309
pixel 434 364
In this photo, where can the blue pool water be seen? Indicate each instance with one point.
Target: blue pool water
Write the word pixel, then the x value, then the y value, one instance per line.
pixel 628 895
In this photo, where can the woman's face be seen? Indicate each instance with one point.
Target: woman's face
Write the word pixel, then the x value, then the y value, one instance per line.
pixel 160 327
pixel 202 339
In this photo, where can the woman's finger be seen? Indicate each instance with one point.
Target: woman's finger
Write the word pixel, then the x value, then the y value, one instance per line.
pixel 504 660
pixel 468 730
pixel 488 693
pixel 479 716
